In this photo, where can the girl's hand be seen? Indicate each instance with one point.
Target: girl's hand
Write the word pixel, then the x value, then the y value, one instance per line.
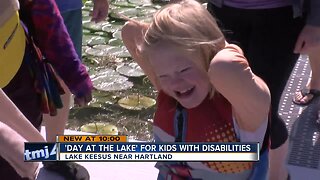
pixel 133 38
pixel 100 10
pixel 83 100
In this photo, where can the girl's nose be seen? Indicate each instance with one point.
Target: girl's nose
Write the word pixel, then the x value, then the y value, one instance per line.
pixel 177 81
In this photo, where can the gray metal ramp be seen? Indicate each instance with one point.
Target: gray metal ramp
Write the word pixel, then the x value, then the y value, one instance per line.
pixel 304 154
pixel 298 79
pixel 304 147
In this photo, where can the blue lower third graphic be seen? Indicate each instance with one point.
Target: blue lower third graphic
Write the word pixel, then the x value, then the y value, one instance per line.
pixel 40 151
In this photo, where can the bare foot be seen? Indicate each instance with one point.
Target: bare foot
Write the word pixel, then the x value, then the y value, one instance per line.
pixel 305 96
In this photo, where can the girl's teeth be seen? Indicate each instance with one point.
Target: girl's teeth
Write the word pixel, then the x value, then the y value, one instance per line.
pixel 185 90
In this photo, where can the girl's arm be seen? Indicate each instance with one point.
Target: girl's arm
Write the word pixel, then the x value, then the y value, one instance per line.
pixel 15 129
pixel 231 76
pixel 133 36
pixel 12 150
pixel 11 116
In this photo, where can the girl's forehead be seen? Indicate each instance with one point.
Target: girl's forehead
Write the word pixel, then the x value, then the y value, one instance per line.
pixel 173 49
pixel 166 59
pixel 173 54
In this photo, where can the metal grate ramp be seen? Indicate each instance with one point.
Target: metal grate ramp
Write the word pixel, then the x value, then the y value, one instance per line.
pixel 298 79
pixel 304 147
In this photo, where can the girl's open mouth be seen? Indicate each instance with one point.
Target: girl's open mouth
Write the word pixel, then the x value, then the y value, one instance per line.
pixel 184 93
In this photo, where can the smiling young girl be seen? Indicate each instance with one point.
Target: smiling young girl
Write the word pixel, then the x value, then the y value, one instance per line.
pixel 207 91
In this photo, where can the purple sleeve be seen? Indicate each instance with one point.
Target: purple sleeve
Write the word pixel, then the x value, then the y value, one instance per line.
pixel 54 41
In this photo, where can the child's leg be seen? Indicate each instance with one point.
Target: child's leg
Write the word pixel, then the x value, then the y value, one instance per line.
pixel 277 165
pixel 12 150
pixel 55 125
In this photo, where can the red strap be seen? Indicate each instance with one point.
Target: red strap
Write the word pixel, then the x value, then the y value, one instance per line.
pixel 178 172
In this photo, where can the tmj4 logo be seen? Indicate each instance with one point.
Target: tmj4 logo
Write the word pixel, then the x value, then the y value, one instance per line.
pixel 40 151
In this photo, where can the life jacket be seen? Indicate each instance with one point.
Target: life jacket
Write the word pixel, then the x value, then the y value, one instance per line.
pixel 211 121
pixel 12 41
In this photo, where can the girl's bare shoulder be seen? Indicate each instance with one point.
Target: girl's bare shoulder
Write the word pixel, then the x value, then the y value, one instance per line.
pixel 229 59
pixel 230 53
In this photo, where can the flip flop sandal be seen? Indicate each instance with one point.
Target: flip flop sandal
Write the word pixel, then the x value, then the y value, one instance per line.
pixel 304 92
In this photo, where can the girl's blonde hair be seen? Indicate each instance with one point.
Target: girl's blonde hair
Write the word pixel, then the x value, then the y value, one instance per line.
pixel 188 25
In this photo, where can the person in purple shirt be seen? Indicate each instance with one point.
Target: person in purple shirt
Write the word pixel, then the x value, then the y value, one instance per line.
pixel 268 31
pixel 72 14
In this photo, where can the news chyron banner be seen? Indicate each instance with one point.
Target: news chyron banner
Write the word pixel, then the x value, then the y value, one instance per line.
pixel 117 148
